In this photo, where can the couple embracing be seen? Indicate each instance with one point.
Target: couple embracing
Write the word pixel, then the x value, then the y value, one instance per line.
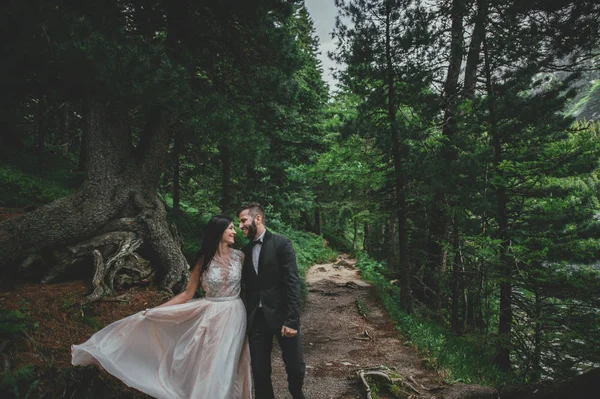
pixel 205 348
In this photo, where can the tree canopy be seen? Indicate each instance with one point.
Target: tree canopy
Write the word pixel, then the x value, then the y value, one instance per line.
pixel 460 149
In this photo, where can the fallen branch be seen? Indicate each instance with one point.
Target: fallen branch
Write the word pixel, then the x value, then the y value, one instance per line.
pixel 363 374
pixel 391 377
pixel 125 298
pixel 419 384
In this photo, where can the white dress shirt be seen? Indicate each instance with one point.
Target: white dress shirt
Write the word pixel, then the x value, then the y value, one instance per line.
pixel 256 252
pixel 256 255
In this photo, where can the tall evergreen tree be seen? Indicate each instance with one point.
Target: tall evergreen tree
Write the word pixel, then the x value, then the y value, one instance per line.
pixel 383 50
pixel 137 67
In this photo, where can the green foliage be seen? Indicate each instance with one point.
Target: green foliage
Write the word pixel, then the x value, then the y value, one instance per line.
pixel 21 382
pixel 89 320
pixel 22 189
pixel 12 383
pixel 585 106
pixel 467 359
pixel 310 248
pixel 337 240
pixel 500 180
pixel 190 225
pixel 12 323
pixel 483 192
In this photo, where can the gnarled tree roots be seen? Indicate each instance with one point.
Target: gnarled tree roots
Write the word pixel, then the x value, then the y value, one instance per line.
pixel 398 385
pixel 115 258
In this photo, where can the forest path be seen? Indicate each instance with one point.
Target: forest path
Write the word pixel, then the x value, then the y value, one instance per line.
pixel 338 340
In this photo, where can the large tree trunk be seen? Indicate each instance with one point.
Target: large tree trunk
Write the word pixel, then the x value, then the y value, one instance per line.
pixel 403 261
pixel 355 235
pixel 118 194
pixel 176 173
pixel 85 136
pixel 390 242
pixel 536 361
pixel 505 320
pixel 473 57
pixel 41 132
pixel 440 216
pixel 63 132
pixel 367 237
pixel 317 215
pixel 457 284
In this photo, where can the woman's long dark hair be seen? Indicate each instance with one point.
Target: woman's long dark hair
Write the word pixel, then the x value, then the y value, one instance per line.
pixel 212 237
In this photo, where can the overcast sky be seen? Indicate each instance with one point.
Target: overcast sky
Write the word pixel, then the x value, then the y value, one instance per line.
pixel 323 14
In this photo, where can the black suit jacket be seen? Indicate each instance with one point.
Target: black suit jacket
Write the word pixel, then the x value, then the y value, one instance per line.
pixel 277 284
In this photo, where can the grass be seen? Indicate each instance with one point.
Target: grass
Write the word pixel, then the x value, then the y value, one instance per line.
pixel 22 381
pixel 467 359
pixel 22 184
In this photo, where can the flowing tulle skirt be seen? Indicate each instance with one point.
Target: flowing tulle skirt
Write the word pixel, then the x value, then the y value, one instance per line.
pixel 194 350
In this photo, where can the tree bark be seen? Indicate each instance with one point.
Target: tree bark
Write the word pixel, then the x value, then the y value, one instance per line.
pixel 41 132
pixel 176 174
pixel 317 220
pixel 390 243
pixel 473 57
pixel 63 134
pixel 121 182
pixel 355 235
pixel 457 285
pixel 505 321
pixel 85 136
pixel 403 262
pixel 536 369
pixel 443 193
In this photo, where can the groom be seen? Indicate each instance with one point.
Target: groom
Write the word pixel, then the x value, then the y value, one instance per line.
pixel 272 298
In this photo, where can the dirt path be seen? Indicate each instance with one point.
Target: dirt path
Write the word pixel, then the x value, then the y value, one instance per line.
pixel 338 340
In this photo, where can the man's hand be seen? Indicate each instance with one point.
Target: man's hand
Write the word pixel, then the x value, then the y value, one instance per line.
pixel 288 332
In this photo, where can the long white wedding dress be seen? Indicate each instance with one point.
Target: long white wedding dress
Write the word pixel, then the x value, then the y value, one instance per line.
pixel 197 349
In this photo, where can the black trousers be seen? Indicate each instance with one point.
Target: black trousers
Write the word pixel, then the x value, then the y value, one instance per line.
pixel 260 338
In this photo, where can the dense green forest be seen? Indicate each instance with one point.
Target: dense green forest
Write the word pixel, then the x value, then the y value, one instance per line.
pixel 457 158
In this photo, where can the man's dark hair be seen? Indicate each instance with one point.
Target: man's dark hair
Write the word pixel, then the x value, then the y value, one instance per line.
pixel 254 209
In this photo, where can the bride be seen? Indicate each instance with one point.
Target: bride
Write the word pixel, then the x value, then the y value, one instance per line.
pixel 185 348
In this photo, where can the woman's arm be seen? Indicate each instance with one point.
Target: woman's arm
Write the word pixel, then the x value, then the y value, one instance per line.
pixel 190 289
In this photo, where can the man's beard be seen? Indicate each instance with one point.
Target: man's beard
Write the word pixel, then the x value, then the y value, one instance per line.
pixel 252 230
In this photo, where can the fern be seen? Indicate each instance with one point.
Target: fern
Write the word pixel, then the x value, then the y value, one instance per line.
pixel 12 323
pixel 23 376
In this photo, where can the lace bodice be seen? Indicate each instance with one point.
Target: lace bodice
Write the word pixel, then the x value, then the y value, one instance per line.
pixel 222 279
